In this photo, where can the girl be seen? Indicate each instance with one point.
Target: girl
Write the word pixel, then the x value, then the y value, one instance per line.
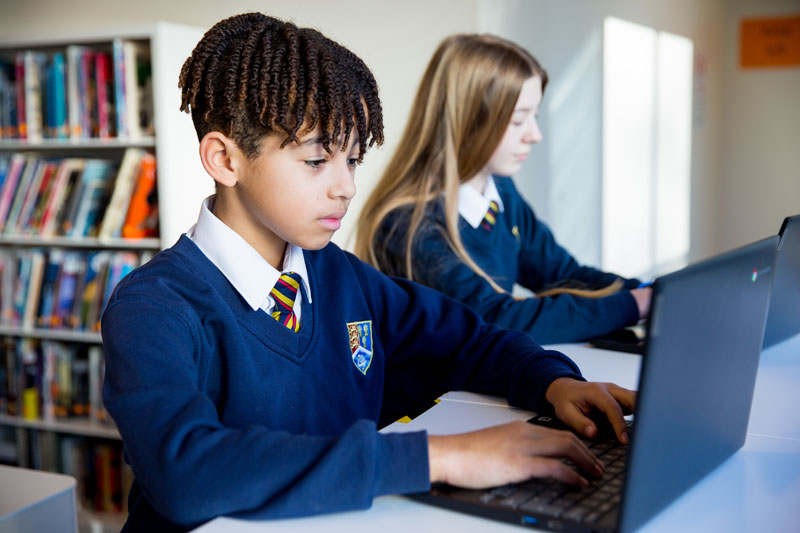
pixel 445 212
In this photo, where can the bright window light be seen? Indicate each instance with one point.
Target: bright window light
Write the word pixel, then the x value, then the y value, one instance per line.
pixel 647 104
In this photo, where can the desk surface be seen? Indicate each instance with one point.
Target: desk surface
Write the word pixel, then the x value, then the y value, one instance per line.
pixel 31 500
pixel 758 489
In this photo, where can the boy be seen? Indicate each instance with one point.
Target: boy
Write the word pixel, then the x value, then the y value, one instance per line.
pixel 249 366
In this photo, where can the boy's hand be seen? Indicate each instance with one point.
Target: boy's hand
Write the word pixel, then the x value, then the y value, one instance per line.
pixel 509 453
pixel 575 400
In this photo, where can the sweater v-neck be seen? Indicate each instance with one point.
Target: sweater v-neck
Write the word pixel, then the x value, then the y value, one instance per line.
pixel 292 345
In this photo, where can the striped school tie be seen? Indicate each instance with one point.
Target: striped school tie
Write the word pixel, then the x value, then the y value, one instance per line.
pixel 490 218
pixel 284 294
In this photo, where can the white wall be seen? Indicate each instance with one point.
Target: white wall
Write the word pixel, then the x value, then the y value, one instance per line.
pixel 760 176
pixel 395 39
pixel 562 179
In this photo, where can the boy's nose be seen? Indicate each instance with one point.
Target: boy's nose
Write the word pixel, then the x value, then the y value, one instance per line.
pixel 344 185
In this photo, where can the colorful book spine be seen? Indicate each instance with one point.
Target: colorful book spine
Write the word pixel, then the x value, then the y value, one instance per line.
pixel 33 95
pixel 118 53
pixel 95 181
pixel 103 82
pixel 141 219
pixel 74 111
pixel 9 190
pixel 58 96
pixel 19 82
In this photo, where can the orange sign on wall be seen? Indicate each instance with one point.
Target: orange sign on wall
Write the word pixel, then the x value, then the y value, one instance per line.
pixel 770 42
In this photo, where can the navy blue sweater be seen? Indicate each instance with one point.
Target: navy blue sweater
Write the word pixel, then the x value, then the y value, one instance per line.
pixel 223 411
pixel 519 249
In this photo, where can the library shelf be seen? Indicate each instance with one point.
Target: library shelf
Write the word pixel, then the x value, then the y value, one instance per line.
pixel 181 185
pixel 64 335
pixel 85 243
pixel 83 427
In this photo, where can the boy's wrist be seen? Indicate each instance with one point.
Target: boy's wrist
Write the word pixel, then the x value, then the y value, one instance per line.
pixel 439 449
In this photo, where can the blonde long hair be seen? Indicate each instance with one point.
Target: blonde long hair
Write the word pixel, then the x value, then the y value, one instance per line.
pixel 461 111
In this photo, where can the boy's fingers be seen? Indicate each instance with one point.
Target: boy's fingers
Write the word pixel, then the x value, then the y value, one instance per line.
pixel 610 406
pixel 625 397
pixel 565 444
pixel 574 418
pixel 554 468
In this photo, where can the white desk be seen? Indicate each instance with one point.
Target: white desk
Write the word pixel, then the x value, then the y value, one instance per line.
pixel 758 489
pixel 32 501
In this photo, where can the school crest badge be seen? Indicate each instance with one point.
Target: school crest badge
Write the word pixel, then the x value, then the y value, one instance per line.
pixel 360 334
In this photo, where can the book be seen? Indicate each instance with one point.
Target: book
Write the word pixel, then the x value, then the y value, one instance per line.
pixel 96 409
pixel 68 173
pixel 33 94
pixel 116 209
pixel 31 376
pixel 104 80
pixel 28 176
pixel 94 182
pixel 138 97
pixel 21 286
pixel 4 162
pixel 56 95
pixel 34 286
pixel 141 220
pixel 69 211
pixel 12 383
pixel 86 94
pixel 64 294
pixel 8 280
pixel 96 273
pixel 33 225
pixel 75 102
pixel 63 393
pixel 9 191
pixel 48 289
pixel 29 197
pixel 50 383
pixel 99 296
pixel 118 55
pixel 80 384
pixel 8 100
pixel 19 82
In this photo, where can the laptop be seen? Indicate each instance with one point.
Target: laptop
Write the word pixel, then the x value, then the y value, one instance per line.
pixel 695 390
pixel 783 320
pixel 784 315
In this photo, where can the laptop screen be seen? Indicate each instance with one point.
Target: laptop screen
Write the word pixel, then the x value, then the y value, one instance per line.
pixel 784 308
pixel 698 375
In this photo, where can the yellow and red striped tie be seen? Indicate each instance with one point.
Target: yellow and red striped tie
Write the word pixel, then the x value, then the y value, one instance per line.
pixel 490 218
pixel 284 293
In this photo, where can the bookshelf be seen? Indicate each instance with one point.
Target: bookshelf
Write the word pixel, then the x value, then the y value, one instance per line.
pixel 134 117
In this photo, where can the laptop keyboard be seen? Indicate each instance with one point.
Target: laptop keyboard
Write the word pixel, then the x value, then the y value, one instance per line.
pixel 596 504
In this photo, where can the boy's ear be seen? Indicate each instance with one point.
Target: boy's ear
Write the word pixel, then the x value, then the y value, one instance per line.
pixel 221 157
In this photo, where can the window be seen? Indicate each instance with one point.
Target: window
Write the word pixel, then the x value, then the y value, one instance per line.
pixel 647 128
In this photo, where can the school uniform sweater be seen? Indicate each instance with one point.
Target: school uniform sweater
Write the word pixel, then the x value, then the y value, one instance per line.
pixel 519 249
pixel 223 411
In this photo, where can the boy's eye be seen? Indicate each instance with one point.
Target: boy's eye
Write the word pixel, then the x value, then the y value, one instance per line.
pixel 315 163
pixel 353 162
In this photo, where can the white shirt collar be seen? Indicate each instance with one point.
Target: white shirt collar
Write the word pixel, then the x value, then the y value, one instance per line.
pixel 249 273
pixel 473 205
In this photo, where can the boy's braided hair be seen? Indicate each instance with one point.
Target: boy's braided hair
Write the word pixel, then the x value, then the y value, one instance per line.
pixel 252 75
